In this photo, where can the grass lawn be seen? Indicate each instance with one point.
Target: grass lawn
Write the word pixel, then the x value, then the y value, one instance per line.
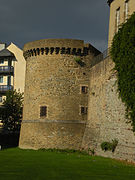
pixel 17 164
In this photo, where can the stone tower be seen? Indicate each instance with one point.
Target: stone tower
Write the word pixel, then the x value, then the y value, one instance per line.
pixel 56 93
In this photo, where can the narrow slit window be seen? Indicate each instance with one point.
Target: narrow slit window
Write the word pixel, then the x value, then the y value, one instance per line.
pixel 117 19
pixel 126 9
pixel 43 111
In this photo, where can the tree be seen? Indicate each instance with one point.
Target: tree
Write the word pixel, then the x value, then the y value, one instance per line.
pixel 123 55
pixel 11 111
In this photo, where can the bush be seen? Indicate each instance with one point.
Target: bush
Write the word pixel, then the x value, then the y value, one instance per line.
pixel 109 146
pixel 11 112
pixel 79 61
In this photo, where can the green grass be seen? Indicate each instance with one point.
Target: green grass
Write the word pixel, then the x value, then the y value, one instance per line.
pixel 17 164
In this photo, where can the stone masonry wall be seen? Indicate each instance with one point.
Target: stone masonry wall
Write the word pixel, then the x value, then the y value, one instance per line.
pixel 106 115
pixel 54 79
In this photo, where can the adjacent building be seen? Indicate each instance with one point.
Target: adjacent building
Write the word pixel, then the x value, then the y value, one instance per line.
pixel 120 11
pixel 12 69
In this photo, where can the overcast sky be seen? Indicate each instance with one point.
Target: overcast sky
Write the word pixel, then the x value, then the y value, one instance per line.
pixel 28 20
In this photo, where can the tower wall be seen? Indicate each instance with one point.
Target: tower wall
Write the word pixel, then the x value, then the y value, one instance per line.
pixel 54 80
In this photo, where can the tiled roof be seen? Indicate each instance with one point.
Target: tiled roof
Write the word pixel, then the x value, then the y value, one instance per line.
pixel 6 52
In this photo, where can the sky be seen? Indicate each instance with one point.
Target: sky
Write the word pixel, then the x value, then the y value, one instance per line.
pixel 22 21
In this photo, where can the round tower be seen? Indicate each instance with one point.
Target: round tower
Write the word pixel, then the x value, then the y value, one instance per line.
pixel 56 93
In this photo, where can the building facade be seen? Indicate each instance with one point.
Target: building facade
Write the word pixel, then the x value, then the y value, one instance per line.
pixel 12 69
pixel 120 11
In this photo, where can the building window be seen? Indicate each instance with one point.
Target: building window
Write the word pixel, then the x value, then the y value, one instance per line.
pixel 84 89
pixel 1 79
pixel 1 61
pixel 126 9
pixel 83 110
pixel 117 19
pixel 43 111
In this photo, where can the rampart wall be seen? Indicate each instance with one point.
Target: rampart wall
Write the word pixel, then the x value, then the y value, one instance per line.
pixel 106 114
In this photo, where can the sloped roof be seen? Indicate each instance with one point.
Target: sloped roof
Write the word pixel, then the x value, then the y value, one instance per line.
pixel 109 2
pixel 6 52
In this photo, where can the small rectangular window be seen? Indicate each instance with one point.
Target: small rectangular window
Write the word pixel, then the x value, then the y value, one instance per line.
pixel 84 110
pixel 1 61
pixel 1 79
pixel 84 89
pixel 43 111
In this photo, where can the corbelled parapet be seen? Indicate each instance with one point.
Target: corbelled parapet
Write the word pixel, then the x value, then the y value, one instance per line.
pixel 56 93
pixel 58 46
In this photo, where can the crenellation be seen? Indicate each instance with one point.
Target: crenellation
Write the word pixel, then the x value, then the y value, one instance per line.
pixel 62 50
pixel 68 50
pixel 84 51
pixel 38 51
pixel 46 50
pixel 57 50
pixel 51 50
pixel 34 52
pixel 42 51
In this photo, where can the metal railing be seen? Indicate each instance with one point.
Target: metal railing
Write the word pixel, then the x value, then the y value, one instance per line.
pixel 100 57
pixel 103 55
pixel 6 69
pixel 4 88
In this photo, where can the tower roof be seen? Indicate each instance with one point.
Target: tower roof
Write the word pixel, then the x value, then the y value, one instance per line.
pixel 109 2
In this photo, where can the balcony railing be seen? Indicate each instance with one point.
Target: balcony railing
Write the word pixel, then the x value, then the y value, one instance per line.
pixel 6 69
pixel 4 88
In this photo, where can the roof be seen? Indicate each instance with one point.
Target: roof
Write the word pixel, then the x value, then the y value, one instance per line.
pixel 6 52
pixel 109 2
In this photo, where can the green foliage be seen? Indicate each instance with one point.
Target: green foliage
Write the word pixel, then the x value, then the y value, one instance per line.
pixel 91 151
pixel 123 55
pixel 109 146
pixel 65 151
pixel 11 111
pixel 79 61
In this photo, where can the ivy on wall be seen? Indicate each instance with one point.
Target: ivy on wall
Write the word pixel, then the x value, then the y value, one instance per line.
pixel 123 55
